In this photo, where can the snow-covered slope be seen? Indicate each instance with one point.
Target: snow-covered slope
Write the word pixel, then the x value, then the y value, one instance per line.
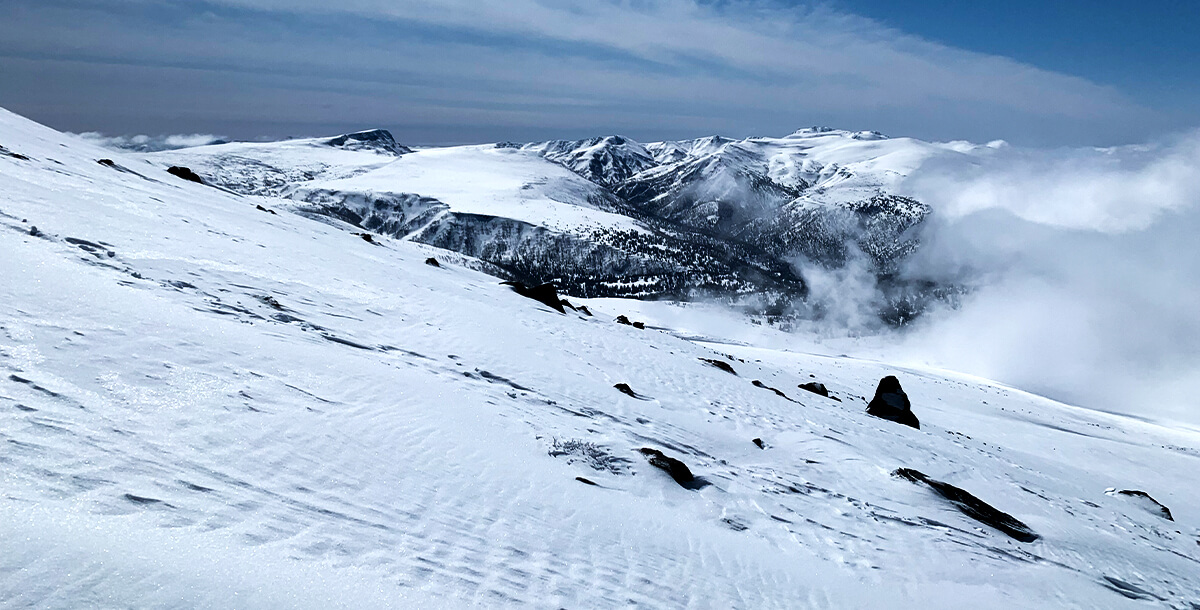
pixel 205 404
pixel 492 181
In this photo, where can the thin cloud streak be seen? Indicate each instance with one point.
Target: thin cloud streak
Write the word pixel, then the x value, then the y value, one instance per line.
pixel 655 68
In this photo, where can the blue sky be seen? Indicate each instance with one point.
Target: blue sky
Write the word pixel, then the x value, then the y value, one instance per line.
pixel 1150 49
pixel 450 71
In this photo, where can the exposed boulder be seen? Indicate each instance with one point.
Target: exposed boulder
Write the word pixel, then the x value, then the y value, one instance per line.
pixel 815 388
pixel 891 403
pixel 621 319
pixel 184 173
pixel 625 389
pixel 542 293
pixel 432 262
pixel 1149 503
pixel 971 506
pixel 724 366
pixel 758 442
pixel 677 469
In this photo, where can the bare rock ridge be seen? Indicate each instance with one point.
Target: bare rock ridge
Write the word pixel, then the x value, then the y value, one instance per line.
pixel 379 140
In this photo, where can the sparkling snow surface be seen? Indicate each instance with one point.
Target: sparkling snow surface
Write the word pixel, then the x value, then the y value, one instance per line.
pixel 207 405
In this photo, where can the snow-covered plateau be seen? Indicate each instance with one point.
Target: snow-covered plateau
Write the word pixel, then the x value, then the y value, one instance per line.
pixel 243 393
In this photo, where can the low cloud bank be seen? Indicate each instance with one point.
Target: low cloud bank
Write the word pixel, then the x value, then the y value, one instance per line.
pixel 144 143
pixel 1085 269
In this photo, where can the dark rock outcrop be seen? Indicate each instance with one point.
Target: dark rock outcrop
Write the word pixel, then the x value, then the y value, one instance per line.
pixel 8 153
pixel 395 214
pixel 1153 505
pixel 542 293
pixel 379 140
pixel 624 320
pixel 891 403
pixel 677 469
pixel 184 173
pixel 432 262
pixel 625 389
pixel 758 442
pixel 724 366
pixel 971 506
pixel 759 384
pixel 815 388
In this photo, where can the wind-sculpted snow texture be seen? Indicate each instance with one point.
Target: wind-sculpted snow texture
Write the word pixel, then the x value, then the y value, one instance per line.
pixel 707 218
pixel 203 404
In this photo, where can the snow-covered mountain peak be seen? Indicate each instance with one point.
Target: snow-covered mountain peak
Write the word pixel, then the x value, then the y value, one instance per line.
pixel 605 160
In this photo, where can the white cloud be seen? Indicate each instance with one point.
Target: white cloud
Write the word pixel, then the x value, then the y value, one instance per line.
pixel 144 143
pixel 1086 270
pixel 674 68
pixel 821 51
pixel 1107 189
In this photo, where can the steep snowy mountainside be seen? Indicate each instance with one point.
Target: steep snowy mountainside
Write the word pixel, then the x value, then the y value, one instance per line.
pixel 820 195
pixel 204 404
pixel 607 160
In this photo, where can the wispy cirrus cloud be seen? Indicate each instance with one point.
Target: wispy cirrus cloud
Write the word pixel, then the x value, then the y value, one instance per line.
pixel 648 68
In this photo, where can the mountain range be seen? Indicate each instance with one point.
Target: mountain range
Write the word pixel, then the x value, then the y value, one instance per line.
pixel 712 218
